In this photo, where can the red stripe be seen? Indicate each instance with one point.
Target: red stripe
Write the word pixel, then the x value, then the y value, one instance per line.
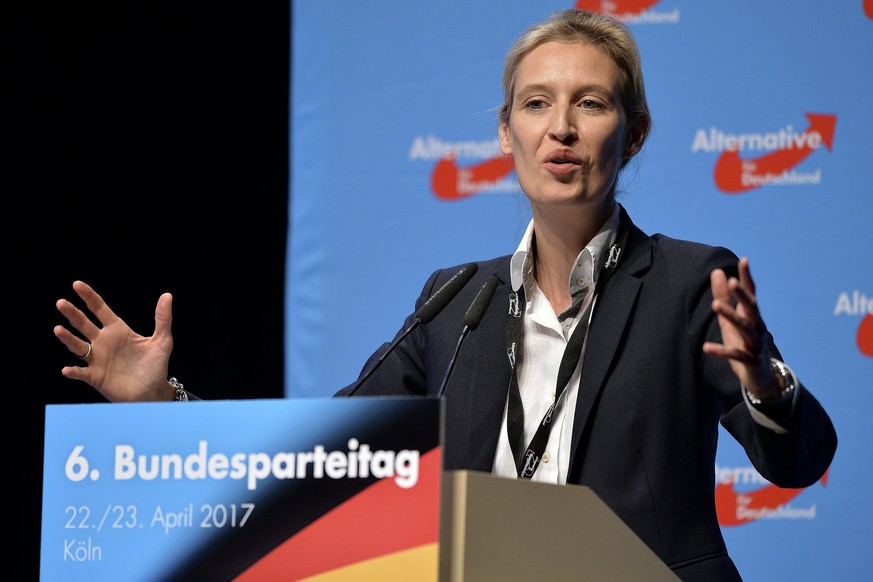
pixel 380 520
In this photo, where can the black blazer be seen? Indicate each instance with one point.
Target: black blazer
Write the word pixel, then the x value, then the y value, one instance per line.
pixel 646 422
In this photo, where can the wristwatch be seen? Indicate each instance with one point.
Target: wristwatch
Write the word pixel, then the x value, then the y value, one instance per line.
pixel 784 377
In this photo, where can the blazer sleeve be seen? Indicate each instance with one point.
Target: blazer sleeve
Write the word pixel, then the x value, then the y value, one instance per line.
pixel 795 459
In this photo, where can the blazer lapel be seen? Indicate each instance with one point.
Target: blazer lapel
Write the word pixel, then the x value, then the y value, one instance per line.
pixel 612 313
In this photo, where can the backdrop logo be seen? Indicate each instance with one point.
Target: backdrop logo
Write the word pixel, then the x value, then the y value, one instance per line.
pixel 784 150
pixel 758 498
pixel 868 8
pixel 630 11
pixel 858 304
pixel 483 169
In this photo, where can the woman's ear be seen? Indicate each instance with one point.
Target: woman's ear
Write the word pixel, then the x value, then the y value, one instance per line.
pixel 505 138
pixel 636 137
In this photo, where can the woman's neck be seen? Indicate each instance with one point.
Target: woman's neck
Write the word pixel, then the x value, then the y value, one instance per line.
pixel 559 238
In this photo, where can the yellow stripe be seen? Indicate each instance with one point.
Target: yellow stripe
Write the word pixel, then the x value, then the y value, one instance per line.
pixel 420 564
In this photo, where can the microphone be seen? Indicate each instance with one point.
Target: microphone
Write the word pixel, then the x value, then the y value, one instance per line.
pixel 426 312
pixel 471 320
pixel 446 293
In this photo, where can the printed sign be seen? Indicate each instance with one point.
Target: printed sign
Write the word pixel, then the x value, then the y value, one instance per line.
pixel 240 490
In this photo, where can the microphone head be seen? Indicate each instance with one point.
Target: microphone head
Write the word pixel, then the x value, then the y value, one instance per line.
pixel 480 303
pixel 446 293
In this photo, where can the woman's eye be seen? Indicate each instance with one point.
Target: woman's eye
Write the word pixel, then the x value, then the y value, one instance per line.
pixel 536 104
pixel 591 104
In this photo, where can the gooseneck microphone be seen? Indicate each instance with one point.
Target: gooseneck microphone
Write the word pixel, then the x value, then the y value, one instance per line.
pixel 471 320
pixel 446 293
pixel 426 312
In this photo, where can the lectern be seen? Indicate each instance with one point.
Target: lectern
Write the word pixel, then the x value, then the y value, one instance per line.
pixel 517 530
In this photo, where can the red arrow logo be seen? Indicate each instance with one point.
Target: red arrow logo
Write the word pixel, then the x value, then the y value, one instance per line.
pixel 865 335
pixel 449 182
pixel 771 497
pixel 616 6
pixel 729 168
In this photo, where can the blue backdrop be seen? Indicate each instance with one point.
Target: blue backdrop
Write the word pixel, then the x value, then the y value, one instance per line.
pixel 761 142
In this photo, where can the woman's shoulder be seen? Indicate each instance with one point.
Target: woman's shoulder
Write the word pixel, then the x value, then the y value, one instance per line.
pixel 664 247
pixel 686 247
pixel 691 254
pixel 498 266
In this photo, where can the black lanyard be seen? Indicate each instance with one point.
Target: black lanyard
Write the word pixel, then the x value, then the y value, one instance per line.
pixel 528 459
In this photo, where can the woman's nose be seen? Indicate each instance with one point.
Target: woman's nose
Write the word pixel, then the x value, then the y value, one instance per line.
pixel 563 127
